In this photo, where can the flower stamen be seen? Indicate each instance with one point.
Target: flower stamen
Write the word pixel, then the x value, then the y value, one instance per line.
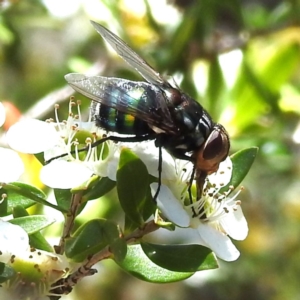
pixel 213 205
pixel 3 197
pixel 56 108
pixel 79 111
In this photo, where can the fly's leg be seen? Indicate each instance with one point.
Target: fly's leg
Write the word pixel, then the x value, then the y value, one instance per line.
pixel 190 190
pixel 159 173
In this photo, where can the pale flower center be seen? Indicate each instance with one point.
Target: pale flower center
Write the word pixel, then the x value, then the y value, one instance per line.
pixel 213 206
pixel 34 274
pixel 68 130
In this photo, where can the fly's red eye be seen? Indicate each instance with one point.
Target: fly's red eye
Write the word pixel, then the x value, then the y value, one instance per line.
pixel 217 145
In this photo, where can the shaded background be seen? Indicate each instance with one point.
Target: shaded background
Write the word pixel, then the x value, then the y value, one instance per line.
pixel 240 59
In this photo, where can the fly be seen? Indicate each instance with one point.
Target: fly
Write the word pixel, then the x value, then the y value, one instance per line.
pixel 153 110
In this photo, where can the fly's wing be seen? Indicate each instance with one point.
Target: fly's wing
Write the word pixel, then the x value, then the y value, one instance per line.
pixel 139 99
pixel 132 58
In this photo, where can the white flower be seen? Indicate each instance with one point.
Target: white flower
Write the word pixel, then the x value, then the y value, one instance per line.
pixel 11 165
pixel 60 138
pixel 35 270
pixel 209 220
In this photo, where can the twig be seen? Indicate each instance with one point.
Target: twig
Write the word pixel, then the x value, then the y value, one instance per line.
pixel 66 284
pixel 70 218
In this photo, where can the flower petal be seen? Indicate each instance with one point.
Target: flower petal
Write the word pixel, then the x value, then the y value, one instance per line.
pixel 55 151
pixel 54 265
pixel 148 153
pixel 150 159
pixel 112 168
pixel 107 167
pixel 170 206
pixel 32 136
pixel 223 175
pixel 218 242
pixel 64 175
pixel 235 224
pixel 13 240
pixel 11 165
pixel 189 235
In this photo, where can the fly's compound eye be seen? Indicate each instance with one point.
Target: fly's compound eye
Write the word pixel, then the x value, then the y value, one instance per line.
pixel 217 145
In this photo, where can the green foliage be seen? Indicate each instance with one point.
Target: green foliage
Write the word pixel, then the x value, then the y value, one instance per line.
pixel 101 187
pixel 139 265
pixel 20 194
pixel 241 164
pixel 16 197
pixel 92 237
pixel 132 186
pixel 63 198
pixel 181 258
pixel 33 224
pixel 6 272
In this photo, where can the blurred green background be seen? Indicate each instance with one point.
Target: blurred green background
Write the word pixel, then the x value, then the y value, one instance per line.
pixel 240 59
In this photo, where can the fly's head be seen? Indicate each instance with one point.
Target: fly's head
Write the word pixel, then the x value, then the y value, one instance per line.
pixel 213 151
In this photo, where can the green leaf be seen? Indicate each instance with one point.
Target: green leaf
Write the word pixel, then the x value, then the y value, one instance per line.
pixel 33 224
pixel 63 198
pixel 100 188
pixel 2 267
pixel 20 211
pixel 119 249
pixel 129 225
pixel 90 238
pixel 36 240
pixel 21 194
pixel 6 272
pixel 29 191
pixel 242 162
pixel 149 205
pixel 181 258
pixel 40 157
pixel 132 185
pixel 139 265
pixel 14 198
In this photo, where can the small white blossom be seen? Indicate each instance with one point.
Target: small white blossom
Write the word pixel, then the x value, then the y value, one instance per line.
pixel 11 165
pixel 211 219
pixel 55 139
pixel 31 136
pixel 35 270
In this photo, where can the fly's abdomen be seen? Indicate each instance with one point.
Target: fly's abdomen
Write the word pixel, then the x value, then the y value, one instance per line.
pixel 124 106
pixel 114 120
